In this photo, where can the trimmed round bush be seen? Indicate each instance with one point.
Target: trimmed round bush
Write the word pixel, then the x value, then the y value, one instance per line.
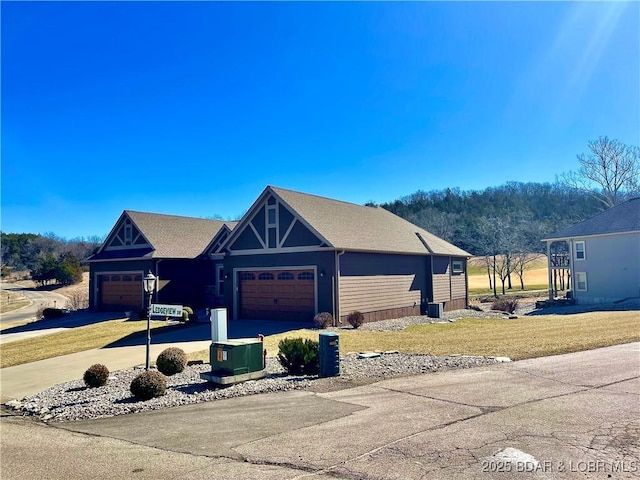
pixel 171 360
pixel 96 376
pixel 148 385
pixel 355 319
pixel 323 320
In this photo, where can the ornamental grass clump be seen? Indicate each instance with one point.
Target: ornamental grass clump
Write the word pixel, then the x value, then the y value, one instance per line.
pixel 298 356
pixel 323 320
pixel 355 319
pixel 96 376
pixel 171 360
pixel 148 385
pixel 505 304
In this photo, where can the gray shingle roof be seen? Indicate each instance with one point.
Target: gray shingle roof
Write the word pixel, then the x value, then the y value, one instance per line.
pixel 623 218
pixel 347 226
pixel 174 236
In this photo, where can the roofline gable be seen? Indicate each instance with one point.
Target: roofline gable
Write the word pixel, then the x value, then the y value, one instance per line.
pixel 114 229
pixel 245 221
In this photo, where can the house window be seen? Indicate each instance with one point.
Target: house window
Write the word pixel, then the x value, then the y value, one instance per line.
pixel 580 252
pixel 581 281
pixel 457 266
pixel 220 280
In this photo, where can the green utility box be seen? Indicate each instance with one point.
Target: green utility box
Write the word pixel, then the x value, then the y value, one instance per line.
pixel 236 357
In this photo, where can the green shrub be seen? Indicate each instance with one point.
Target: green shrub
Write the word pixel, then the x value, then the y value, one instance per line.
pixel 49 313
pixel 148 385
pixel 505 304
pixel 96 376
pixel 298 356
pixel 187 314
pixel 171 360
pixel 355 319
pixel 323 320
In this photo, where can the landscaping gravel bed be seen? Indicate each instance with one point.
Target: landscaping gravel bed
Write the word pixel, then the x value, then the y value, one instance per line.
pixel 72 401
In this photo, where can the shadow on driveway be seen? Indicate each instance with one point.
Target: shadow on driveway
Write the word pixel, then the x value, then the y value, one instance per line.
pixel 197 332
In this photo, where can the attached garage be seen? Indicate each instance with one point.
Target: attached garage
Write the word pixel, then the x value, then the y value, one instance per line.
pixel 283 294
pixel 121 292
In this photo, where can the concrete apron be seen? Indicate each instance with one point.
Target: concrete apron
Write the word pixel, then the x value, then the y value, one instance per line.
pixel 570 414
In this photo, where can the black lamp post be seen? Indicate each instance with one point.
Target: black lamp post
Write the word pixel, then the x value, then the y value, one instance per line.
pixel 149 284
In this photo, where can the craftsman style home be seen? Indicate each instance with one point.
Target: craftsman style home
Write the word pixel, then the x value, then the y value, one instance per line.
pixel 291 256
pixel 604 255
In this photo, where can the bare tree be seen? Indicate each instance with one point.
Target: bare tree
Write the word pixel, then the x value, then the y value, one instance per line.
pixel 609 171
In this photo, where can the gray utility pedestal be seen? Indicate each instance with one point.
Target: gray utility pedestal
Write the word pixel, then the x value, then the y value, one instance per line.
pixel 329 354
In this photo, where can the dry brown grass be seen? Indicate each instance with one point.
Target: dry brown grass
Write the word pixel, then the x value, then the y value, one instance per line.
pixel 71 341
pixel 526 337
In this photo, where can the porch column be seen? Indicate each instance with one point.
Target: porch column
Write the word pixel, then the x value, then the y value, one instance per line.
pixel 550 270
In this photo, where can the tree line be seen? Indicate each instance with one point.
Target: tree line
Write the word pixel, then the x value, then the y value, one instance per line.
pixel 48 258
pixel 506 224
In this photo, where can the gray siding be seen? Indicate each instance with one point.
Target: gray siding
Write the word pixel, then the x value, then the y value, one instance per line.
pixel 379 282
pixel 612 265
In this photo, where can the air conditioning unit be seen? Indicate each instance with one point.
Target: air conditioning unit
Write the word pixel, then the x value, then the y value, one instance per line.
pixel 434 310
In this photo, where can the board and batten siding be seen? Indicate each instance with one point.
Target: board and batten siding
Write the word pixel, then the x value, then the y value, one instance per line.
pixel 381 286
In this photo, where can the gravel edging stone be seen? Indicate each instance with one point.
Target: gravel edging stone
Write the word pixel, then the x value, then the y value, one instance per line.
pixel 72 401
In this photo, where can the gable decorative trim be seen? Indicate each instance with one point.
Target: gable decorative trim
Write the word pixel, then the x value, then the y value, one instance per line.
pixel 272 226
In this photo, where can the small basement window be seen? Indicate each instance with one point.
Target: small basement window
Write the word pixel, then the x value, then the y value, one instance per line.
pixel 457 266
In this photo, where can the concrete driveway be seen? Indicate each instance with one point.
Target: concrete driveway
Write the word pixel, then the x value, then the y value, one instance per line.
pixel 569 416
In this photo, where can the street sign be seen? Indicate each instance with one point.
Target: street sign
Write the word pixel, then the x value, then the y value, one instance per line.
pixel 166 310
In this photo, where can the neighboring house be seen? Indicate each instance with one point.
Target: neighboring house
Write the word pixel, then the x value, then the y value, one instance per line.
pixel 292 255
pixel 174 248
pixel 604 253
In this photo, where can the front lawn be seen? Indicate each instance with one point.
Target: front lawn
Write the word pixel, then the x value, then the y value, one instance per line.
pixel 74 340
pixel 526 337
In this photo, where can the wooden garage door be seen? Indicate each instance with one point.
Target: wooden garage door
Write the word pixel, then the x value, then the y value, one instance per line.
pixel 277 295
pixel 121 292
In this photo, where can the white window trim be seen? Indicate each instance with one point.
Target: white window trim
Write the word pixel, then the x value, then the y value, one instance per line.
pixel 578 282
pixel 584 251
pixel 457 270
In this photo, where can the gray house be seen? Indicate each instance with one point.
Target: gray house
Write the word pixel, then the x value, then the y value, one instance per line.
pixel 293 255
pixel 176 249
pixel 604 255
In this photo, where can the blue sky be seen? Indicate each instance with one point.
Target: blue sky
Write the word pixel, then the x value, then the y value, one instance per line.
pixel 193 108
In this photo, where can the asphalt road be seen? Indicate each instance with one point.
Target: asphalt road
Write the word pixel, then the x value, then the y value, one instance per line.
pixel 571 416
pixel 37 298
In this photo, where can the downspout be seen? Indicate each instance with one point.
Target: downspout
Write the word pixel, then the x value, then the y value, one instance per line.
pixel 336 289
